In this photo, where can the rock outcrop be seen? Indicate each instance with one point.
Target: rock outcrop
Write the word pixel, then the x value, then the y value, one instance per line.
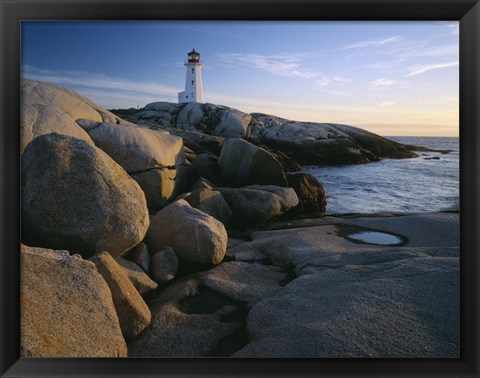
pixel 182 325
pixel 211 202
pixel 206 118
pixel 164 266
pixel 258 203
pixel 133 313
pixel 205 165
pixel 312 200
pixel 326 296
pixel 159 185
pixel 151 157
pixel 136 148
pixel 297 287
pixel 324 143
pixel 66 308
pixel 140 256
pixel 359 300
pixel 154 158
pixel 242 163
pixel 142 282
pixel 195 236
pixel 304 142
pixel 212 306
pixel 75 197
pixel 47 108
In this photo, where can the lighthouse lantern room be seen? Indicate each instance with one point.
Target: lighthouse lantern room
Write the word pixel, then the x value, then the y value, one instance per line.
pixel 193 83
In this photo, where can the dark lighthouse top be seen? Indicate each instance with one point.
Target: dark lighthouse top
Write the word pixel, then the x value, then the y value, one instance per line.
pixel 193 57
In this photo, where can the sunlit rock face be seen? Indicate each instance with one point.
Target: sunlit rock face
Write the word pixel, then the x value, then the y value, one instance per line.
pixel 207 118
pixel 305 142
pixel 153 158
pixel 133 313
pixel 242 163
pixel 75 197
pixel 47 108
pixel 195 236
pixel 66 308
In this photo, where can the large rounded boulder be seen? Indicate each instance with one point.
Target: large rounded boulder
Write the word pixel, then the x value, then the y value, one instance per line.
pixel 75 197
pixel 137 149
pixel 211 202
pixel 311 195
pixel 153 158
pixel 66 307
pixel 258 203
pixel 196 237
pixel 48 108
pixel 242 163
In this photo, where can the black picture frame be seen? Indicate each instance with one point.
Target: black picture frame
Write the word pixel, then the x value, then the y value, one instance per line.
pixel 14 11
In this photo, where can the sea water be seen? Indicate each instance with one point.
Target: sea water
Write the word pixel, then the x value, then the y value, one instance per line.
pixel 400 185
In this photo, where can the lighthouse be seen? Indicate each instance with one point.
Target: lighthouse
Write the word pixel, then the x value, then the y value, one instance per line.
pixel 193 82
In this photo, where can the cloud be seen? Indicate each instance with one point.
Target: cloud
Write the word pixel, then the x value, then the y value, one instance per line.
pixel 287 65
pixel 86 79
pixel 429 51
pixel 338 80
pixel 454 26
pixel 106 90
pixel 382 83
pixel 342 80
pixel 392 56
pixel 370 43
pixel 417 70
pixel 388 103
pixel 324 81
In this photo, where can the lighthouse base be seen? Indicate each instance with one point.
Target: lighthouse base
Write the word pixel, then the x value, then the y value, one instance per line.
pixel 184 97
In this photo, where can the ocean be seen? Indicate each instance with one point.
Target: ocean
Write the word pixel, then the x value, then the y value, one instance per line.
pixel 399 185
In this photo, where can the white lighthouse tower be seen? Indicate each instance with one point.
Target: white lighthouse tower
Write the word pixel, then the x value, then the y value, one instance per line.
pixel 193 83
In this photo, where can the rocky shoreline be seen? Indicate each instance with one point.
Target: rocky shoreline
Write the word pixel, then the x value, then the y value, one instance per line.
pixel 184 231
pixel 304 142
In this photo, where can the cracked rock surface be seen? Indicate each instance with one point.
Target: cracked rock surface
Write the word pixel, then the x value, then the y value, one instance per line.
pixel 204 314
pixel 303 289
pixel 359 300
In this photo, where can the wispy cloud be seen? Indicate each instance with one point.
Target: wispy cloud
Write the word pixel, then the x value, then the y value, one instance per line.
pixel 288 65
pixel 86 79
pixel 337 81
pixel 454 26
pixel 388 103
pixel 402 50
pixel 342 80
pixel 323 81
pixel 419 69
pixel 108 91
pixel 370 43
pixel 383 83
pixel 428 51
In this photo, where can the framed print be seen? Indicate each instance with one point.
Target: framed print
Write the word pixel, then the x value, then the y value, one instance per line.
pixel 240 188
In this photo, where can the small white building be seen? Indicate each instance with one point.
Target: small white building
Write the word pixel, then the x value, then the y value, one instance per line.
pixel 193 83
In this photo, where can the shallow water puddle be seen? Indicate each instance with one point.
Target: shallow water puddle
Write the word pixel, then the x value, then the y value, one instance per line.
pixel 374 237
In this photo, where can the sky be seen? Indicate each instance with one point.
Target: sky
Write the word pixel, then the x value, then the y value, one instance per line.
pixel 391 78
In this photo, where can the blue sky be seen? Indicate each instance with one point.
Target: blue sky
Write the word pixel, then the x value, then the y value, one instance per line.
pixel 392 78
